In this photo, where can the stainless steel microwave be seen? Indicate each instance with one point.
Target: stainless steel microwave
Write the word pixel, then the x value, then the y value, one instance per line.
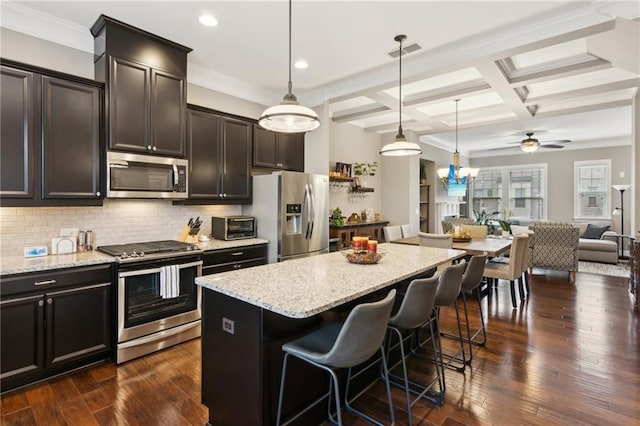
pixel 146 176
pixel 233 227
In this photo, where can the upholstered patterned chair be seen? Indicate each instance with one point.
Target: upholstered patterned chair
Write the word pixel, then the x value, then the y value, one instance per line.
pixel 554 246
pixel 447 225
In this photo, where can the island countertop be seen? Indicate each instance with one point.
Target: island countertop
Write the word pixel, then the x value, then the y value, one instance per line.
pixel 301 288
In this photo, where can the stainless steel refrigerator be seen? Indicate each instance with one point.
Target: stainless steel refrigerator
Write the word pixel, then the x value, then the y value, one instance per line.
pixel 292 212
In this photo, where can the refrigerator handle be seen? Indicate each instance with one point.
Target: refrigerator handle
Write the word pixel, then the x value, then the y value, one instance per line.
pixel 312 210
pixel 307 202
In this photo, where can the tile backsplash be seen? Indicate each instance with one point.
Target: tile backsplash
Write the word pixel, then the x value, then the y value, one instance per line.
pixel 117 221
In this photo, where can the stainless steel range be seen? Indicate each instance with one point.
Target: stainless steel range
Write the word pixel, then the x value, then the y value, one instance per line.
pixel 159 304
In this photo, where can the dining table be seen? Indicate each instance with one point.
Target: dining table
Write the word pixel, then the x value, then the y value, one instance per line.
pixel 493 246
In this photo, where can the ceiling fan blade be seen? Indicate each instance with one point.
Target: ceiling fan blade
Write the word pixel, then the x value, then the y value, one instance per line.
pixel 505 147
pixel 556 141
pixel 551 146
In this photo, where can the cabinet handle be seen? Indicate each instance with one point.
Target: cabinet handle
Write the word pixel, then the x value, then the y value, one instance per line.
pixel 49 301
pixel 41 303
pixel 45 282
pixel 238 253
pixel 98 194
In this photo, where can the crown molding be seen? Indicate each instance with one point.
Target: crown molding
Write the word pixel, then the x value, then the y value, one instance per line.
pixel 41 25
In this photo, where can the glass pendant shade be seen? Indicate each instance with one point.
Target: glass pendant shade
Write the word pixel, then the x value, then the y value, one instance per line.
pixel 289 118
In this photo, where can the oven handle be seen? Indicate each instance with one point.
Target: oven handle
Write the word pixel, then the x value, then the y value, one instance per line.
pixel 156 270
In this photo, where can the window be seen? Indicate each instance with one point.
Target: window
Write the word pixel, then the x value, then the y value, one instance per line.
pixel 522 189
pixel 591 189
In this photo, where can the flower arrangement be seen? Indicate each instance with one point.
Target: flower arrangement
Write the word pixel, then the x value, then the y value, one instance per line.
pixel 505 223
pixel 365 169
pixel 484 218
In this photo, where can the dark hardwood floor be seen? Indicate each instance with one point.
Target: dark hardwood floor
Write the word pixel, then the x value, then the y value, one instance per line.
pixel 568 355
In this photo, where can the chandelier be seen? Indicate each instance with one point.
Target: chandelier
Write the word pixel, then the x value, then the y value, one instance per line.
pixel 454 173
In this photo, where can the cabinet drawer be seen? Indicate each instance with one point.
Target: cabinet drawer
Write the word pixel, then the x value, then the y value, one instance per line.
pixel 216 269
pixel 43 282
pixel 236 254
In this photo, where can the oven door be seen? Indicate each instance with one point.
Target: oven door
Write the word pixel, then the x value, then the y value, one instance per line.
pixel 144 309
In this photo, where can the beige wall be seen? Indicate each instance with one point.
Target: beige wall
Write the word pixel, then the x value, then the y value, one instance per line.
pixel 560 176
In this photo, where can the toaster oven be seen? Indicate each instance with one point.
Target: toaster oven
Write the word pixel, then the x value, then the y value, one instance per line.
pixel 233 227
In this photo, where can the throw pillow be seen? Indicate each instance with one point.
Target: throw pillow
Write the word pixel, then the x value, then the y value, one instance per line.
pixel 594 232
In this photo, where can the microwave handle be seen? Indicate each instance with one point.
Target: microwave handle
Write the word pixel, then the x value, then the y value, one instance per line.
pixel 175 177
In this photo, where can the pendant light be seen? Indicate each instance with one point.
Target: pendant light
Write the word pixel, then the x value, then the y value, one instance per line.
pixel 289 116
pixel 454 173
pixel 400 146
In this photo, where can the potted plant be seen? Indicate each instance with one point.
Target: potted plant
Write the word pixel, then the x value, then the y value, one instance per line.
pixel 365 170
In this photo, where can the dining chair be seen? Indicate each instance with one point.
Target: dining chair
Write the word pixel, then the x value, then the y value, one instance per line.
pixel 343 345
pixel 435 240
pixel 415 312
pixel 392 233
pixel 408 231
pixel 510 270
pixel 475 231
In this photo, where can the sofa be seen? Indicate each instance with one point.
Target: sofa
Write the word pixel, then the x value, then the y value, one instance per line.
pixel 603 249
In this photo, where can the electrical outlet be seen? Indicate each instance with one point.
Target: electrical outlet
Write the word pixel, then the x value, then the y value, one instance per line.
pixel 69 232
pixel 228 325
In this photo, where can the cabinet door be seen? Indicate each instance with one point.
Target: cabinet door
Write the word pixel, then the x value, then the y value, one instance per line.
pixel 204 152
pixel 17 133
pixel 78 323
pixel 264 147
pixel 129 106
pixel 70 139
pixel 168 103
pixel 236 170
pixel 291 151
pixel 21 337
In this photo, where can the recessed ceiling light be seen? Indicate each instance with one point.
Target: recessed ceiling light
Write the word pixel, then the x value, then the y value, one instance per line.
pixel 208 20
pixel 301 64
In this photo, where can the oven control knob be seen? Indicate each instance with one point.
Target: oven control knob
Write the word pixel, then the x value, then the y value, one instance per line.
pixel 124 255
pixel 141 254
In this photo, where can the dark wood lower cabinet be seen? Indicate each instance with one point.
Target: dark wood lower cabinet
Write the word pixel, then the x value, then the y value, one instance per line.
pixel 231 259
pixel 64 325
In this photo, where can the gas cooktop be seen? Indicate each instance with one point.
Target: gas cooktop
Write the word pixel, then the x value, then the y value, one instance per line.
pixel 149 250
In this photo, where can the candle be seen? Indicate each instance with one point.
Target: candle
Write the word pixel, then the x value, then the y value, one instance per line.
pixel 356 243
pixel 372 246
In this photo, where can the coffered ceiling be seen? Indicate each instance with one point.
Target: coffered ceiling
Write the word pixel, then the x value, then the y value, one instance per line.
pixel 564 70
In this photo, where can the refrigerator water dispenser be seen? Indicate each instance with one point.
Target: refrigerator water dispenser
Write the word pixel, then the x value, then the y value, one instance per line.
pixel 293 219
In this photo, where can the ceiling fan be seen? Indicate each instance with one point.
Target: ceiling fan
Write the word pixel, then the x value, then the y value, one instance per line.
pixel 531 144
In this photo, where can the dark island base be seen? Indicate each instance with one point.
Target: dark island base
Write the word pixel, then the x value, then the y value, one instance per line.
pixel 242 361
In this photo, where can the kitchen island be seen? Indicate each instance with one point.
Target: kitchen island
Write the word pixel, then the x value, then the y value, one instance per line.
pixel 248 315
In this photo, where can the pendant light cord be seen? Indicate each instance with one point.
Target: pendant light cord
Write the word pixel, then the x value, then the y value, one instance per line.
pixel 457 100
pixel 400 88
pixel 290 84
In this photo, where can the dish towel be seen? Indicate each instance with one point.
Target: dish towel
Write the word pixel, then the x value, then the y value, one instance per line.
pixel 169 281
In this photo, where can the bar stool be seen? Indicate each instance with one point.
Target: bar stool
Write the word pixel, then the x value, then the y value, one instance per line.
pixel 471 281
pixel 343 345
pixel 414 313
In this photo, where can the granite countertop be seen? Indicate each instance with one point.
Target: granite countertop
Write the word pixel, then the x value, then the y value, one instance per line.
pixel 301 288
pixel 20 265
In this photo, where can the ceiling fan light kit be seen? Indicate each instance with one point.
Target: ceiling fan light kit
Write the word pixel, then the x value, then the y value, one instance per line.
pixel 400 147
pixel 530 144
pixel 289 116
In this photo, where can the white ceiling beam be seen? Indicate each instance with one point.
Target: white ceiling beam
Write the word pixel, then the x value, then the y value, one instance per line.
pixel 582 92
pixel 564 71
pixel 495 76
pixel 625 38
pixel 448 93
pixel 359 113
pixel 390 127
pixel 585 108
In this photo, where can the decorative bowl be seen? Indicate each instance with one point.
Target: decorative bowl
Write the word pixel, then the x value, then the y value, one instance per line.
pixel 461 239
pixel 363 257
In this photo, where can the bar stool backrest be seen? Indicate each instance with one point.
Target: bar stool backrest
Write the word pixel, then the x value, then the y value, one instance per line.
pixel 361 334
pixel 417 304
pixel 474 272
pixel 449 284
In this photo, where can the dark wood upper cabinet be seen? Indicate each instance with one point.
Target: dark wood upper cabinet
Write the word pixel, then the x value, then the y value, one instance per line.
pixel 146 97
pixel 219 157
pixel 70 139
pixel 283 151
pixel 51 138
pixel 17 133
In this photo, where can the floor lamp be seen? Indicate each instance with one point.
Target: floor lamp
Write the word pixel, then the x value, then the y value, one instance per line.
pixel 620 210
